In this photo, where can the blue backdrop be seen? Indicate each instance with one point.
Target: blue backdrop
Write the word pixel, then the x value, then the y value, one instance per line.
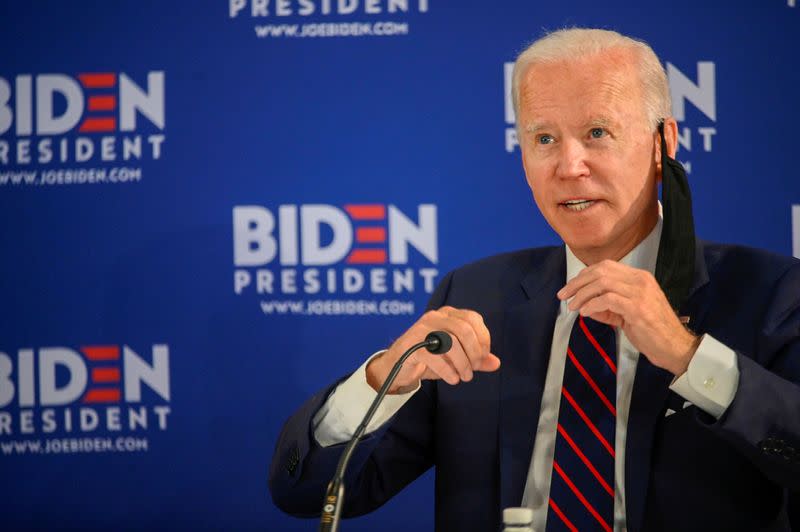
pixel 212 209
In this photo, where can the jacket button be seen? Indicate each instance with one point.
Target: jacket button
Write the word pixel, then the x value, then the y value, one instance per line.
pixel 788 453
pixel 768 446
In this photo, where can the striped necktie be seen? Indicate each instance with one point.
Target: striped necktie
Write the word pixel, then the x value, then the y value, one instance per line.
pixel 582 485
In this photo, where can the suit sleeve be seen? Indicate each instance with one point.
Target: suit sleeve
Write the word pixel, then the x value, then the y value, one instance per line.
pixel 382 464
pixel 763 420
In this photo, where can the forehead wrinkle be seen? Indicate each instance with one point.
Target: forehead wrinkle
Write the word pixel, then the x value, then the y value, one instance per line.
pixel 536 103
pixel 615 89
pixel 620 87
pixel 536 110
pixel 594 90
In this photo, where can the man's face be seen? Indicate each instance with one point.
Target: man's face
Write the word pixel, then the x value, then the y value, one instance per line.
pixel 589 154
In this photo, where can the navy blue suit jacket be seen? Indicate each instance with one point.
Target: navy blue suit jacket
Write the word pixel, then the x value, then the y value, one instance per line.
pixel 687 471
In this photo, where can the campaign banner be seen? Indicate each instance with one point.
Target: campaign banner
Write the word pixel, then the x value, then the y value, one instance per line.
pixel 214 209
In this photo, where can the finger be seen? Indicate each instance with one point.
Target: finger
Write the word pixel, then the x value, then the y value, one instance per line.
pixel 584 277
pixel 447 360
pixel 608 302
pixel 459 354
pixel 480 328
pixel 590 274
pixel 600 286
pixel 489 363
pixel 478 325
pixel 418 371
pixel 463 339
pixel 437 367
pixel 609 318
pixel 466 349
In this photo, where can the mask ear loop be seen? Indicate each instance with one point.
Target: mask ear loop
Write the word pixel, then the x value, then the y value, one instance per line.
pixel 676 250
pixel 663 146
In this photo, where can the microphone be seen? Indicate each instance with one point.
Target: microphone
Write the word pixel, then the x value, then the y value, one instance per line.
pixel 437 342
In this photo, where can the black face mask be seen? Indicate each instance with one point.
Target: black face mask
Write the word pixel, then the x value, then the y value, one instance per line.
pixel 675 262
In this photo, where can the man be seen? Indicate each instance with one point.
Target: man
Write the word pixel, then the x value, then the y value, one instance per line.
pixel 686 420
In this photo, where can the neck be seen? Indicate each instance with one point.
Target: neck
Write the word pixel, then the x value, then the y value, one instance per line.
pixel 618 249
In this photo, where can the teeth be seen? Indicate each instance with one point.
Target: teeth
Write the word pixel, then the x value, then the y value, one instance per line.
pixel 578 205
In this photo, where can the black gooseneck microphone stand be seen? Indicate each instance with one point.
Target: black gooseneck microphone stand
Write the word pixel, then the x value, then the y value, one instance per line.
pixel 437 342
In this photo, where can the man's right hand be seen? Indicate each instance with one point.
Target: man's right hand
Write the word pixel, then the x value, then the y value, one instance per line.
pixel 470 352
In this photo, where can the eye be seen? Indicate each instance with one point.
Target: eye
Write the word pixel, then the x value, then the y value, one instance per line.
pixel 597 132
pixel 545 139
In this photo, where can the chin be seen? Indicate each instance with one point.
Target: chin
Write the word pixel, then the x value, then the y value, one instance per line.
pixel 586 242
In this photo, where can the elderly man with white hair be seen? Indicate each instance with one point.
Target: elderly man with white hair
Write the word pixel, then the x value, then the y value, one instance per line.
pixel 635 378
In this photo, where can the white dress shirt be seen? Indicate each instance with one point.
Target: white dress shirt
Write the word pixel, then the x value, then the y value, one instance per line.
pixel 710 383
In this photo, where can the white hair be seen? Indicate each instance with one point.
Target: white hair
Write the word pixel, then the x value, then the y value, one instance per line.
pixel 577 43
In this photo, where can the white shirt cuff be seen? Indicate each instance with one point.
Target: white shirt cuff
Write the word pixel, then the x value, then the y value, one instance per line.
pixel 712 378
pixel 337 420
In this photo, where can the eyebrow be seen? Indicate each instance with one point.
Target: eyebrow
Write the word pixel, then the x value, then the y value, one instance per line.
pixel 535 127
pixel 600 121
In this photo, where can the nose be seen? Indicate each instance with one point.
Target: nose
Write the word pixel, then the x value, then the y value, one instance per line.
pixel 572 160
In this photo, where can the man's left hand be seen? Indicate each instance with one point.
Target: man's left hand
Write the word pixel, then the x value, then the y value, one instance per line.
pixel 629 298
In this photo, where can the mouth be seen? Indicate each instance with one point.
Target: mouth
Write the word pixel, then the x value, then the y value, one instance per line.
pixel 577 205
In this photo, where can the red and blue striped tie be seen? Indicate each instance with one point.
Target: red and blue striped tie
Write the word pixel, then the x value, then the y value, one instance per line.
pixel 582 485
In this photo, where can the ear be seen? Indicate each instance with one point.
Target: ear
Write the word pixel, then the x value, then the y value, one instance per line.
pixel 671 138
pixel 670 135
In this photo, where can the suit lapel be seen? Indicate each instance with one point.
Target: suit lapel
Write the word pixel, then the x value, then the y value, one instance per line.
pixel 528 334
pixel 650 393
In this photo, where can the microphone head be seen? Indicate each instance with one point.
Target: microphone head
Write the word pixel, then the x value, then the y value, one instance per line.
pixel 439 342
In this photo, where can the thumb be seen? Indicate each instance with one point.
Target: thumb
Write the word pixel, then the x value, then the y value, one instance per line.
pixel 489 363
pixel 417 371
